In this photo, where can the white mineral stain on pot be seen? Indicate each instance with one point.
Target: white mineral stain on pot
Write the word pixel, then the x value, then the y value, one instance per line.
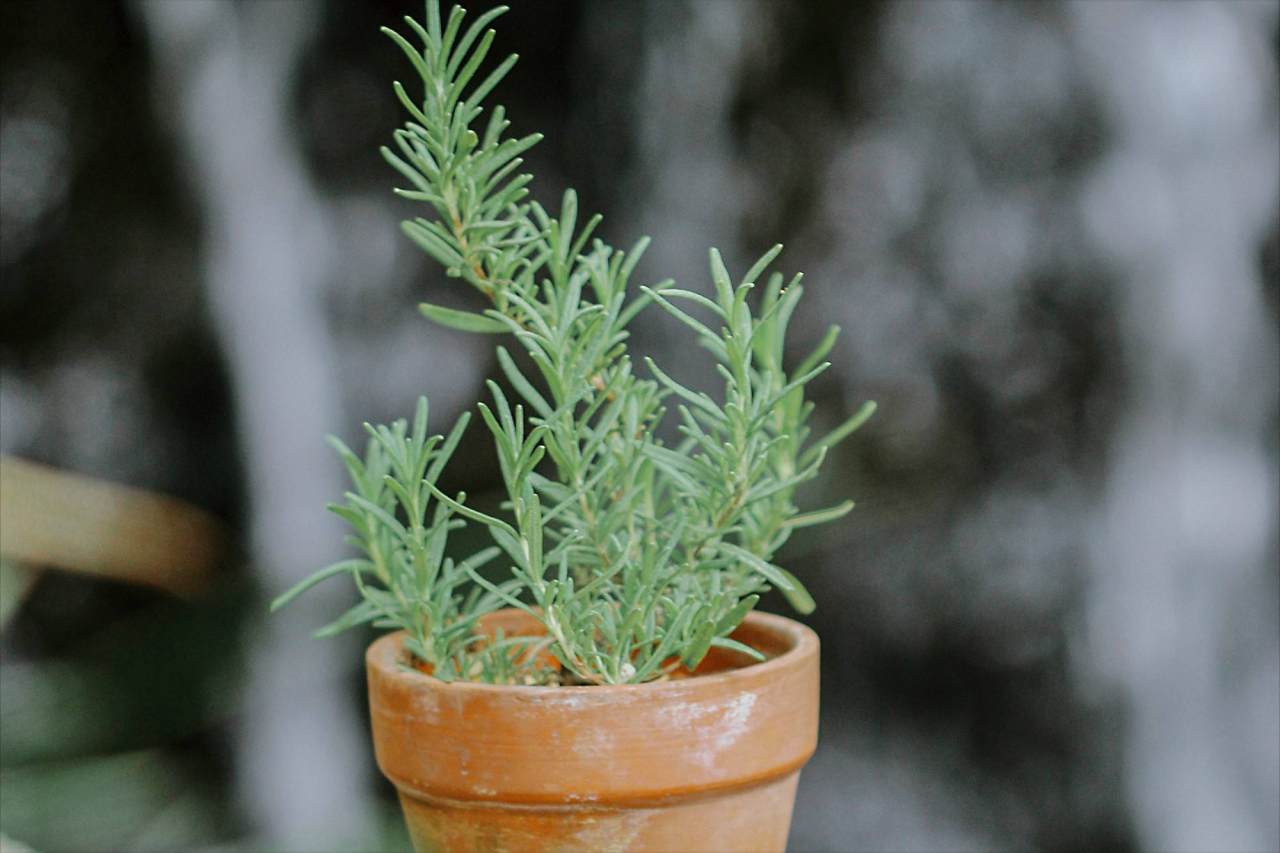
pixel 574 701
pixel 595 743
pixel 735 721
pixel 426 707
pixel 577 698
pixel 612 833
pixel 734 716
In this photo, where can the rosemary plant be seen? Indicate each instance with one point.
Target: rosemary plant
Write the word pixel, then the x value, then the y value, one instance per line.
pixel 635 556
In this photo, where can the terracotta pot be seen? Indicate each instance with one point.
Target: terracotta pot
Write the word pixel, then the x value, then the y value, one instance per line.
pixel 707 763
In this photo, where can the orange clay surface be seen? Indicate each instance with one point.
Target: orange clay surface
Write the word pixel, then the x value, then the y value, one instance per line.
pixel 704 763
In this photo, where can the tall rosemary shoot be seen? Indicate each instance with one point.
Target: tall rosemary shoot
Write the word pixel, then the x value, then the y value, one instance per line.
pixel 636 557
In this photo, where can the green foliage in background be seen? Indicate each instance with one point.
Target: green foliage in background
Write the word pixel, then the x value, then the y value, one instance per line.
pixel 637 557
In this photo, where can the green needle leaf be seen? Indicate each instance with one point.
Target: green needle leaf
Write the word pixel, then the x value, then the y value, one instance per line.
pixel 340 568
pixel 821 516
pixel 462 320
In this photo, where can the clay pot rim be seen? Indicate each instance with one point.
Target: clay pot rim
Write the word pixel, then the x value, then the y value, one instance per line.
pixel 384 654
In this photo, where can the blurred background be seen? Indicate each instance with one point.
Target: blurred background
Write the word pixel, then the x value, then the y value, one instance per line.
pixel 1048 231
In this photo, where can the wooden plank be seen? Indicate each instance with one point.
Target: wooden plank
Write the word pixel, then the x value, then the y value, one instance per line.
pixel 50 517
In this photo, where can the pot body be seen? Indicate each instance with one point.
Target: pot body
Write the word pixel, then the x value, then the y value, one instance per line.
pixel 708 763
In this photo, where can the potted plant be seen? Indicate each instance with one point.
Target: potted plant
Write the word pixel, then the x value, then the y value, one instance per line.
pixel 612 689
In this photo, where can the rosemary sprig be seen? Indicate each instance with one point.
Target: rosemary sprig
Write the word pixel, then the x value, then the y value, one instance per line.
pixel 636 557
